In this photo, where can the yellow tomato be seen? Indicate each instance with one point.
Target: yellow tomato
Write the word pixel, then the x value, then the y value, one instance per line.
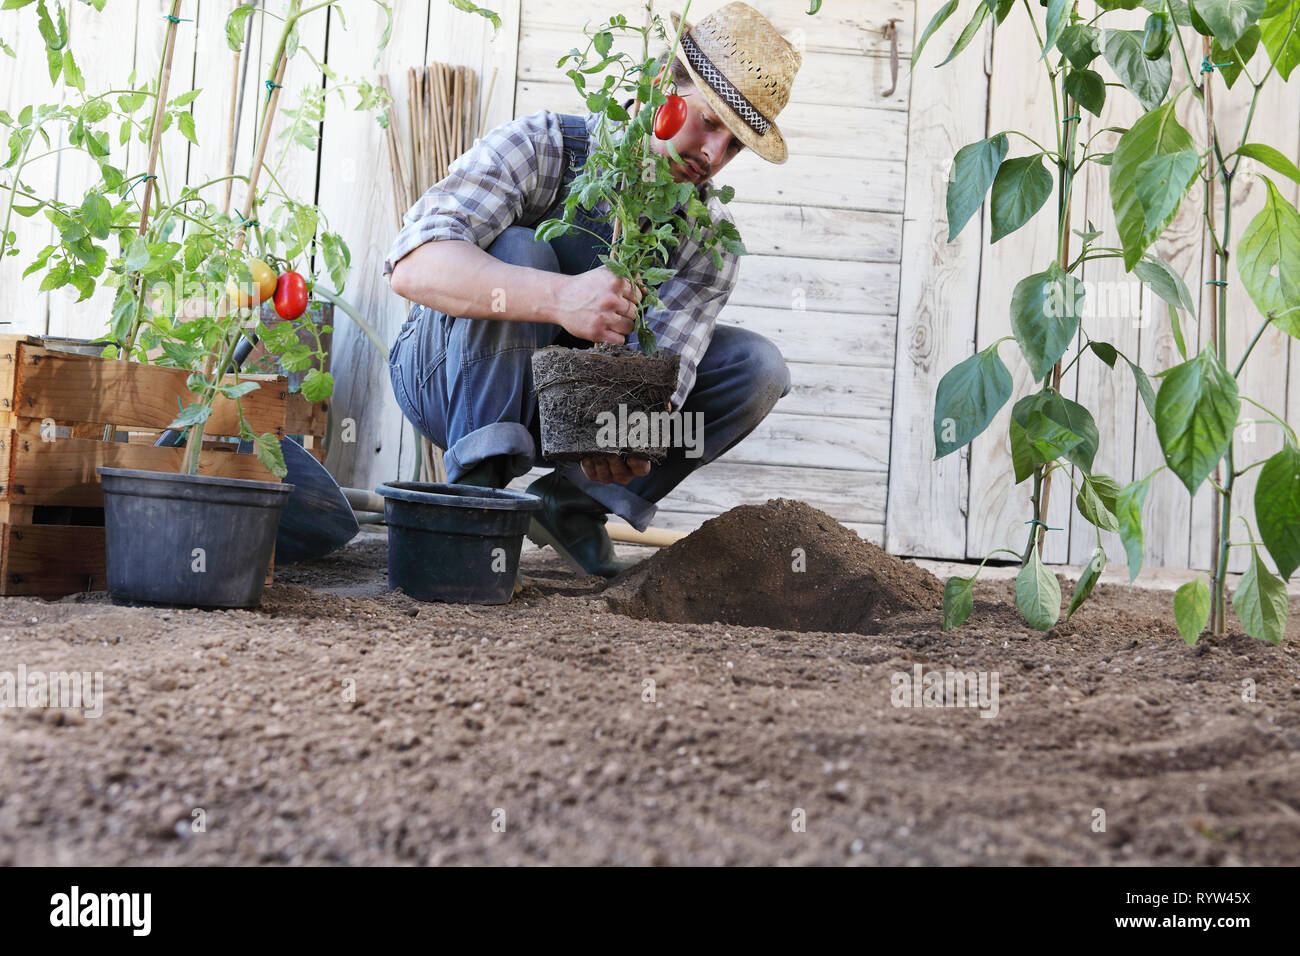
pixel 263 286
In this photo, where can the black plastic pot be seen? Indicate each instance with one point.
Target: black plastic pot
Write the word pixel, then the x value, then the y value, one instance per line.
pixel 189 540
pixel 457 543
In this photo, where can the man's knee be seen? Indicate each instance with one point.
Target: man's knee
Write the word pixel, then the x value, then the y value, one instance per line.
pixel 767 370
pixel 519 246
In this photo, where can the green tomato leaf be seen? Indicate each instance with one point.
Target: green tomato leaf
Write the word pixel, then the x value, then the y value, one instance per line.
pixel 270 454
pixel 237 25
pixel 317 385
pixel 191 415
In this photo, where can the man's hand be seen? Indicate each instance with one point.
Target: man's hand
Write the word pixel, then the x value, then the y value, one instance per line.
pixel 612 468
pixel 598 306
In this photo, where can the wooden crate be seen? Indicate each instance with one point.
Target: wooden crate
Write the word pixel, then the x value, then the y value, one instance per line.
pixel 53 409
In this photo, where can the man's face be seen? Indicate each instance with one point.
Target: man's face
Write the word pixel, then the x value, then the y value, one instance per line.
pixel 703 140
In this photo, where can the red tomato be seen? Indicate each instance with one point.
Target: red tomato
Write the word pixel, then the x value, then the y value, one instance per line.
pixel 670 118
pixel 290 295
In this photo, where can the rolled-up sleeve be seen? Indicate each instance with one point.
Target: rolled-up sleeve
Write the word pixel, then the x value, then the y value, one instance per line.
pixel 692 300
pixel 509 174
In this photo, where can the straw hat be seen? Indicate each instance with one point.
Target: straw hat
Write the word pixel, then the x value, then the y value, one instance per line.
pixel 744 68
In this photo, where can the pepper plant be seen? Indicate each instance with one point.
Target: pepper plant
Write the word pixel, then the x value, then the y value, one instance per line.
pixel 624 171
pixel 1198 404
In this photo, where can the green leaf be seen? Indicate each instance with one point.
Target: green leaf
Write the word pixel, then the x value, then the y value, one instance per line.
pixel 936 21
pixel 191 415
pixel 973 170
pixel 1271 158
pixel 238 389
pixel 1094 509
pixel 1267 256
pixel 1227 19
pixel 1104 351
pixel 968 397
pixel 1145 391
pixel 1161 279
pixel 1088 88
pixel 1057 18
pixel 1235 57
pixel 317 385
pixel 1277 508
pixel 1128 511
pixel 1080 44
pixel 1020 188
pixel 1023 456
pixel 1192 609
pixel 1148 80
pixel 1156 133
pixel 71 72
pixel 1260 602
pixel 237 24
pixel 1045 312
pixel 338 258
pixel 1196 412
pixel 958 601
pixel 1038 594
pixel 185 121
pixel 1282 43
pixel 1162 181
pixel 137 256
pixel 97 215
pixel 270 454
pixel 971 30
pixel 1062 422
pixel 1087 581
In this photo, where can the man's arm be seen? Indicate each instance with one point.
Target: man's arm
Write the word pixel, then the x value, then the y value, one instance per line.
pixel 458 278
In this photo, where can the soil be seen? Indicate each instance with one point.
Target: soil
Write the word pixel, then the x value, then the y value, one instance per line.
pixel 343 723
pixel 574 386
pixel 783 564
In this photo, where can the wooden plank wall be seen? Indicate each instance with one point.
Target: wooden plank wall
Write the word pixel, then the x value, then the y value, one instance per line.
pixel 851 274
pixel 825 233
pixel 966 508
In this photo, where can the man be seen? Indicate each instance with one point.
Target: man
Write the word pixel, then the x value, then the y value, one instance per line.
pixel 461 364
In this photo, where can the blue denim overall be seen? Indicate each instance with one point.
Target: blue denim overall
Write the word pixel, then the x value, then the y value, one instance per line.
pixel 467 384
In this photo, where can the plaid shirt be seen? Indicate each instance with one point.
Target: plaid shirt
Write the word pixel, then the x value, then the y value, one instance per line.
pixel 514 173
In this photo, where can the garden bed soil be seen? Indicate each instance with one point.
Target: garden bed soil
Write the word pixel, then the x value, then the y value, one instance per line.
pixel 342 723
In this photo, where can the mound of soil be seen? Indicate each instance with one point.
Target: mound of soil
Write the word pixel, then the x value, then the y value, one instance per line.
pixel 782 565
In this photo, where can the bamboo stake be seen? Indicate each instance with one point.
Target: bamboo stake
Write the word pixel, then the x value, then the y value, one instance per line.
pixel 230 125
pixel 458 146
pixel 487 100
pixel 160 108
pixel 441 133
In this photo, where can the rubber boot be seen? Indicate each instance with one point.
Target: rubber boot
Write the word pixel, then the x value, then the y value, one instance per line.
pixel 573 523
pixel 488 473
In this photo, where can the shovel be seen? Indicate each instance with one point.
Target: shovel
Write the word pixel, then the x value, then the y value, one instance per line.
pixel 317 518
